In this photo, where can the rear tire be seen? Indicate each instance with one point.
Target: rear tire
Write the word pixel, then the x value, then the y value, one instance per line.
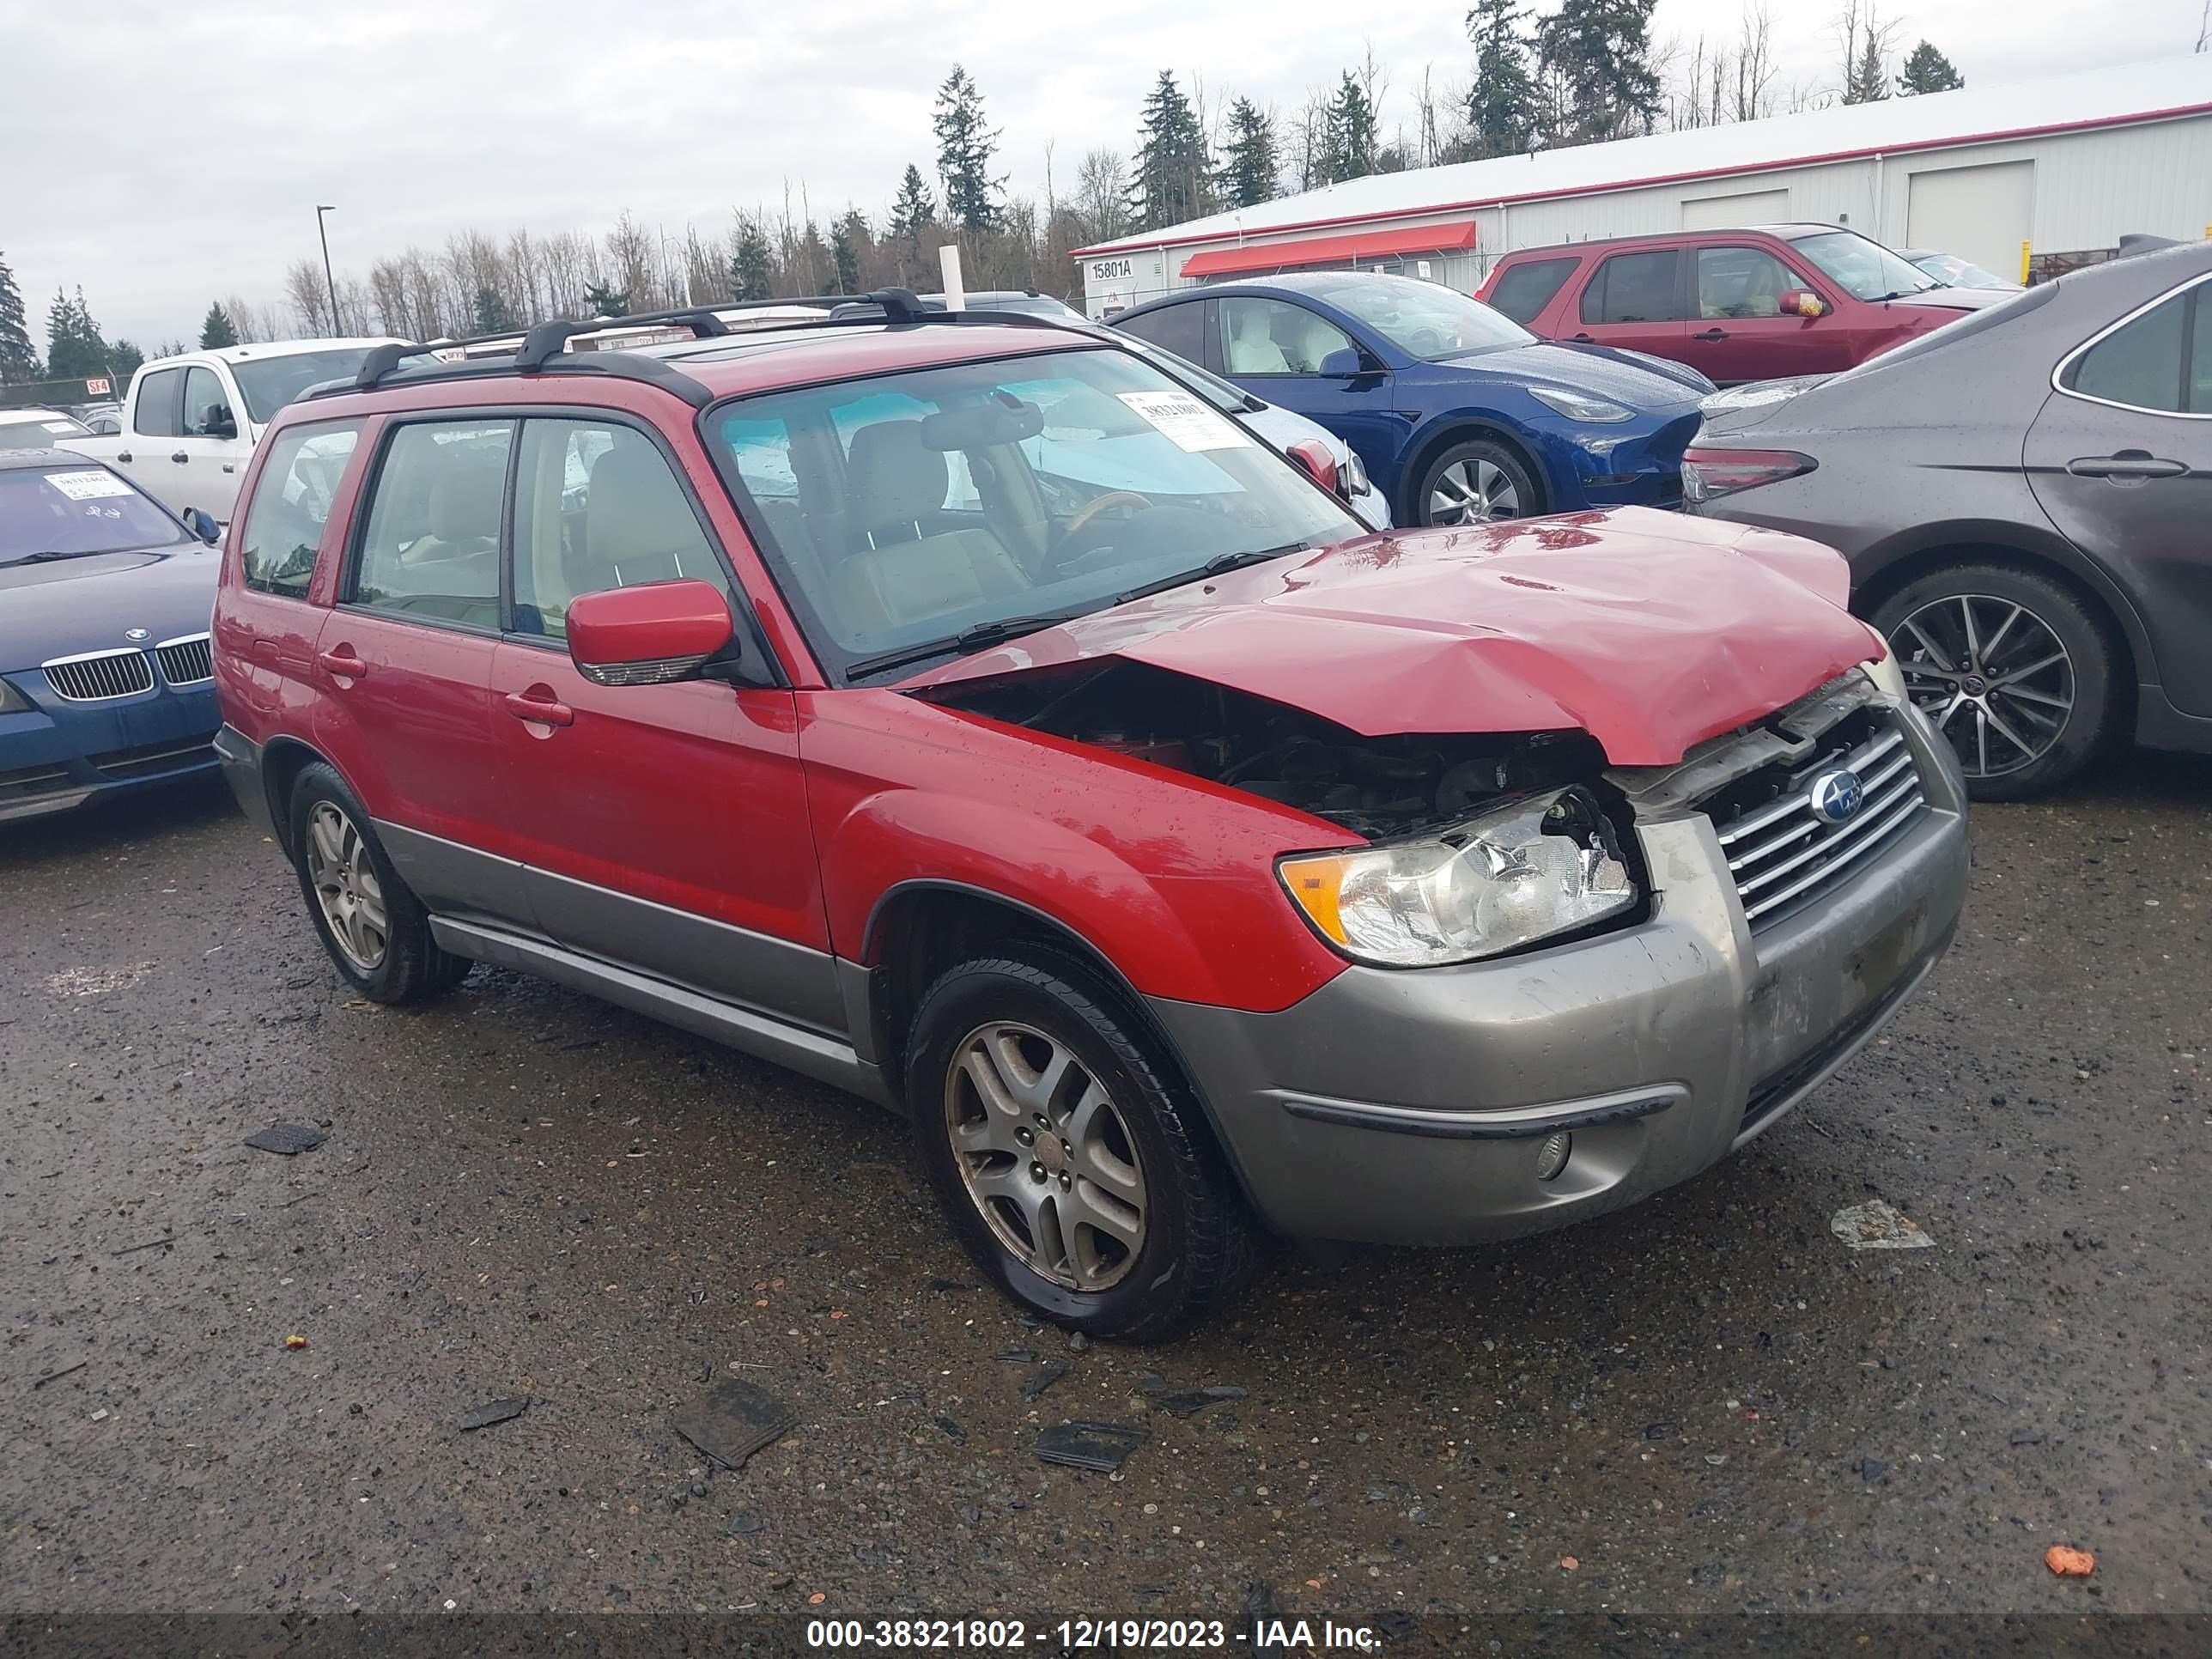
pixel 1071 1163
pixel 1479 481
pixel 2010 665
pixel 376 931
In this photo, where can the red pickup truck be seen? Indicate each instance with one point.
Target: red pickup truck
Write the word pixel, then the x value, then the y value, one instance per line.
pixel 1738 305
pixel 958 710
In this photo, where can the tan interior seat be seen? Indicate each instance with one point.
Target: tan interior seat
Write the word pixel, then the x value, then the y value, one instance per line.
pixel 914 561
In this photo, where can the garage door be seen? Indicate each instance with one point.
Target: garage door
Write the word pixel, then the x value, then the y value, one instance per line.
pixel 1758 207
pixel 1982 214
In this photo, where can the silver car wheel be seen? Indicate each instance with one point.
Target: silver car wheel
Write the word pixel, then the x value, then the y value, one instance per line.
pixel 346 887
pixel 1993 676
pixel 1045 1156
pixel 1473 491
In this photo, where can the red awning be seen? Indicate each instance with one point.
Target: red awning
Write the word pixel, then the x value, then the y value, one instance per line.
pixel 1330 250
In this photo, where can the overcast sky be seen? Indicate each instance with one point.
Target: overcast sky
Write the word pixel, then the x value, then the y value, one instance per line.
pixel 161 153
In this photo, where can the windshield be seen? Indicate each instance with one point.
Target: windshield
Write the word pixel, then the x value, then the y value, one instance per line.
pixel 70 510
pixel 1863 270
pixel 904 510
pixel 1423 320
pixel 38 428
pixel 1954 273
pixel 268 384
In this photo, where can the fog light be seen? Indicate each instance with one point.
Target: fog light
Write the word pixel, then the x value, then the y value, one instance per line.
pixel 1552 1156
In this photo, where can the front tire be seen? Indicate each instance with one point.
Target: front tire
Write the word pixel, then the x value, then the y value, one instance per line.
pixel 2008 665
pixel 1479 481
pixel 1073 1166
pixel 374 928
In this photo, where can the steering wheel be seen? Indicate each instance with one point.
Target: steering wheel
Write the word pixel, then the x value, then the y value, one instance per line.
pixel 1092 509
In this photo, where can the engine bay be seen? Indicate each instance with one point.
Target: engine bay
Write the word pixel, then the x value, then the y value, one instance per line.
pixel 1376 787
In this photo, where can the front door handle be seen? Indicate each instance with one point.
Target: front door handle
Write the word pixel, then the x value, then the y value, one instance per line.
pixel 1712 334
pixel 1584 339
pixel 180 457
pixel 541 711
pixel 343 665
pixel 122 455
pixel 2128 464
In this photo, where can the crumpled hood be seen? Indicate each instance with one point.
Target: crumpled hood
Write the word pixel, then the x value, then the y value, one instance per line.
pixel 1649 631
pixel 70 605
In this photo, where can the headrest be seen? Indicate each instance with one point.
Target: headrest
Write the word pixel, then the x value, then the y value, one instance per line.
pixel 896 477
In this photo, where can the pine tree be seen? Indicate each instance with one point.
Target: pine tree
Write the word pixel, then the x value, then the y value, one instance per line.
pixel 74 350
pixel 1352 135
pixel 1174 172
pixel 1599 53
pixel 964 147
pixel 1868 80
pixel 217 330
pixel 19 359
pixel 602 299
pixel 914 215
pixel 124 359
pixel 490 312
pixel 1927 70
pixel 1252 167
pixel 849 241
pixel 1501 104
pixel 753 262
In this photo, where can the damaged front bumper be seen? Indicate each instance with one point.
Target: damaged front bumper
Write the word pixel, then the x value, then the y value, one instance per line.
pixel 1409 1106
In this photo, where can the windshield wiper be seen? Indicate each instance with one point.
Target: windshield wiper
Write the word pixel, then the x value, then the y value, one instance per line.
pixel 1216 566
pixel 995 632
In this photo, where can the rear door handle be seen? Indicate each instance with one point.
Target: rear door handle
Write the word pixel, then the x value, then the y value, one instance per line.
pixel 2128 464
pixel 1582 339
pixel 1712 334
pixel 542 711
pixel 343 664
pixel 180 457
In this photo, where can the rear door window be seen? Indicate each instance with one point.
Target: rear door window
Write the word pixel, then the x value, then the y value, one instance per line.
pixel 432 546
pixel 1524 289
pixel 1635 287
pixel 1174 328
pixel 284 524
pixel 155 413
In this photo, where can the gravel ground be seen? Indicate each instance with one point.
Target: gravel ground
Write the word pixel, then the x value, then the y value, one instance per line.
pixel 1703 1405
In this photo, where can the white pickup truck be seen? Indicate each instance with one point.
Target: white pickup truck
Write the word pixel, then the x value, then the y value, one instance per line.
pixel 185 439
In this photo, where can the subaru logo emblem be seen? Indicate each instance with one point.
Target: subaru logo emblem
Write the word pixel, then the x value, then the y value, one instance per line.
pixel 1835 795
pixel 134 635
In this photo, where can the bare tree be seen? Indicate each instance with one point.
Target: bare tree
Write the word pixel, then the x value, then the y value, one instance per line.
pixel 1866 43
pixel 305 288
pixel 1102 195
pixel 1755 68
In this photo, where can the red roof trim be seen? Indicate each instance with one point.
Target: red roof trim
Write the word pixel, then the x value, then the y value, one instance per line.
pixel 2179 111
pixel 1317 250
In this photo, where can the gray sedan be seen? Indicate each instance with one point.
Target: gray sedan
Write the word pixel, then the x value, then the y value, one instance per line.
pixel 2024 499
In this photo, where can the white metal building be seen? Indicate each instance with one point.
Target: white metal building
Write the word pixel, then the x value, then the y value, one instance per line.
pixel 2067 165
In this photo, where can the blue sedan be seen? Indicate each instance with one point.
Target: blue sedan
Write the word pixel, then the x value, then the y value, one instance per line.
pixel 107 680
pixel 1460 415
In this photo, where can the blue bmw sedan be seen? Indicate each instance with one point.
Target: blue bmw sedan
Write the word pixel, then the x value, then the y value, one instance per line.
pixel 106 683
pixel 1460 415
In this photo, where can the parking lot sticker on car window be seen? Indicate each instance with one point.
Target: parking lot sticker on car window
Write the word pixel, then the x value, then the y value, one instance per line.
pixel 1187 422
pixel 87 486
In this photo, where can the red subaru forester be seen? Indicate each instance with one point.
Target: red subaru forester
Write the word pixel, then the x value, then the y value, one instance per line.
pixel 955 708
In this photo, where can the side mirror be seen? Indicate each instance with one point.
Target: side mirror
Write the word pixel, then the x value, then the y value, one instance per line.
pixel 1802 303
pixel 648 635
pixel 203 524
pixel 1342 364
pixel 1314 460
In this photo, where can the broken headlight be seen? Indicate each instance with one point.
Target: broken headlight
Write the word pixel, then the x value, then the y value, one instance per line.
pixel 1545 865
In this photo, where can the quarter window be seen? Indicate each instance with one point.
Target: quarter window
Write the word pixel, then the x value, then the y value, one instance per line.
pixel 1271 336
pixel 155 413
pixel 1635 287
pixel 596 506
pixel 284 527
pixel 1525 290
pixel 2150 364
pixel 432 546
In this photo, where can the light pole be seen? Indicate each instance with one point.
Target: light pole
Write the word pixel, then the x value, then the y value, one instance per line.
pixel 328 279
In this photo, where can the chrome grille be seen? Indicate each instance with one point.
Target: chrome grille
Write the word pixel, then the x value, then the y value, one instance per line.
pixel 186 662
pixel 99 675
pixel 1782 855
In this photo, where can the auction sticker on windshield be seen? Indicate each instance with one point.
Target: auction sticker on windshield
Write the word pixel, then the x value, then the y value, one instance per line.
pixel 1188 424
pixel 87 486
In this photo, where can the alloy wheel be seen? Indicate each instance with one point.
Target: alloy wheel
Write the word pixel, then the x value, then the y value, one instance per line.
pixel 1473 491
pixel 1045 1156
pixel 346 887
pixel 1993 676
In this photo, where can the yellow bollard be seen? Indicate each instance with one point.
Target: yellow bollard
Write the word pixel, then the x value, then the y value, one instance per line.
pixel 2023 264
